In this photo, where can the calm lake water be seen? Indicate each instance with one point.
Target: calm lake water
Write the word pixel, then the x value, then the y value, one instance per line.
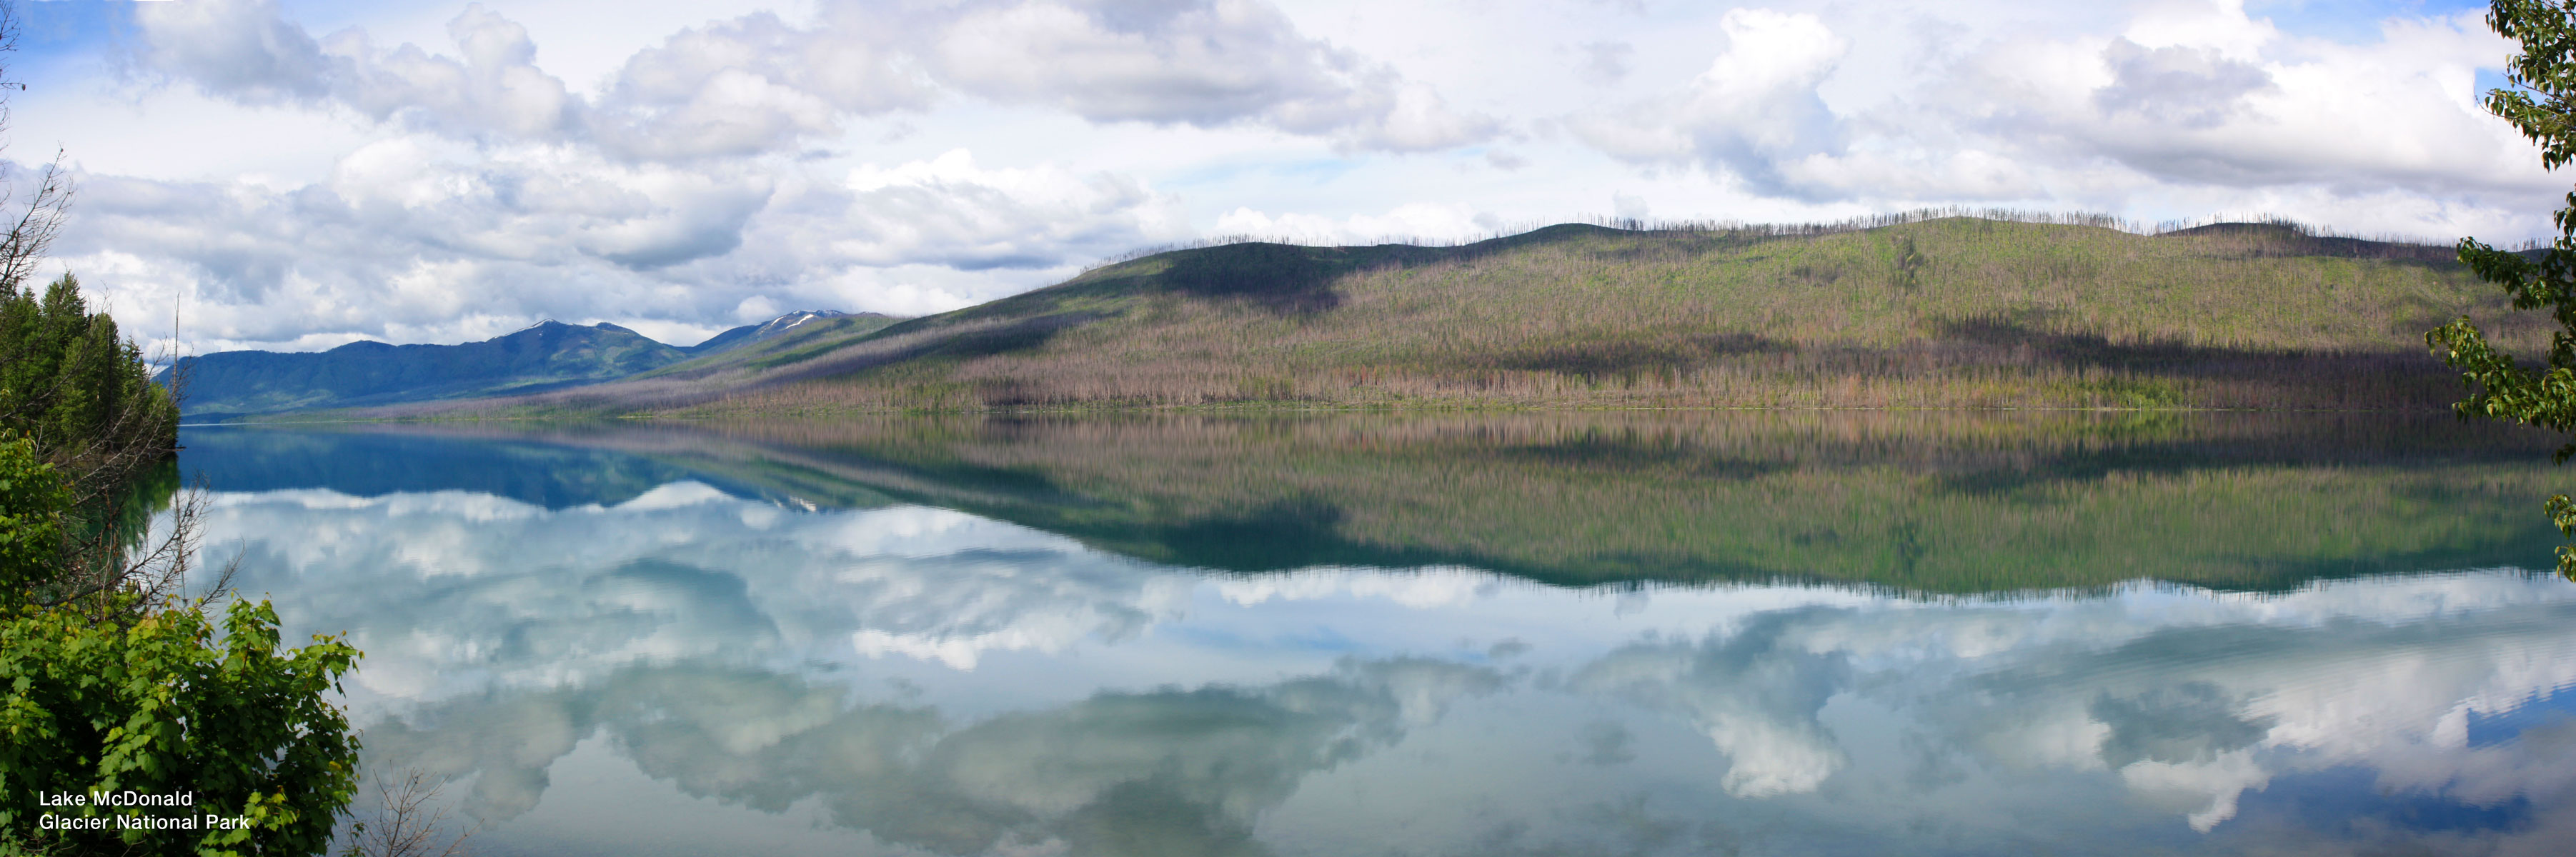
pixel 1436 635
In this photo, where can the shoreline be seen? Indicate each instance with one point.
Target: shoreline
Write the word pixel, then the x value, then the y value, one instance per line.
pixel 1257 409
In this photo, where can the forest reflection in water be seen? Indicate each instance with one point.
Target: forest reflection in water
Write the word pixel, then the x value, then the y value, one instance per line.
pixel 1556 633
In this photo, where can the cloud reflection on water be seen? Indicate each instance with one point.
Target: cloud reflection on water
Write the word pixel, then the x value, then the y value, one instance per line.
pixel 960 685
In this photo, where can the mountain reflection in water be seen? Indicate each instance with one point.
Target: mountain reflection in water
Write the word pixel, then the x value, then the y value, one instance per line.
pixel 1491 635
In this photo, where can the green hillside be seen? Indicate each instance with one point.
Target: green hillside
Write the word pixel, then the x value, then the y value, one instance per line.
pixel 1941 313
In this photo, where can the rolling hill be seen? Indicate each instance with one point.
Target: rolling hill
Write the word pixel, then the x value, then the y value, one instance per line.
pixel 546 356
pixel 1949 312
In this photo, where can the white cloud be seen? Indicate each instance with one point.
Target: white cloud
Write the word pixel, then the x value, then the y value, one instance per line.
pixel 2175 97
pixel 237 47
pixel 1754 107
pixel 1198 63
pixel 947 209
pixel 1414 222
pixel 2397 113
pixel 1605 63
pixel 756 84
pixel 245 49
pixel 750 85
pixel 495 88
pixel 410 239
pixel 700 181
pixel 438 157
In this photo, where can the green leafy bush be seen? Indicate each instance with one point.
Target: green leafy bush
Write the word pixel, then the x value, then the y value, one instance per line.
pixel 2501 387
pixel 32 499
pixel 167 707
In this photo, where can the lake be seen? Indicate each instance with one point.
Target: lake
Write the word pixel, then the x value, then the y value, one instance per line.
pixel 1437 634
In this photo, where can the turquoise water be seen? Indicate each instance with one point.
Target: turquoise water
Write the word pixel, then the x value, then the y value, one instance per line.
pixel 690 640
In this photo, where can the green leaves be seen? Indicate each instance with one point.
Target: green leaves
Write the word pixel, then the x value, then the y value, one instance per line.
pixel 2547 32
pixel 32 499
pixel 169 707
pixel 2542 105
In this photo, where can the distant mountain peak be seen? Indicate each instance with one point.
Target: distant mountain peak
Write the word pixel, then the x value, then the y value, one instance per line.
pixel 549 326
pixel 791 320
pixel 783 323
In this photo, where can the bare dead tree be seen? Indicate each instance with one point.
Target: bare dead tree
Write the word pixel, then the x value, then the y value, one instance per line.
pixel 39 216
pixel 408 821
pixel 40 219
pixel 126 558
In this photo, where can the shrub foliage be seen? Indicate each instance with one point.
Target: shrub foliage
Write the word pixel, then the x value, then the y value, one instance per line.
pixel 166 707
pixel 2541 102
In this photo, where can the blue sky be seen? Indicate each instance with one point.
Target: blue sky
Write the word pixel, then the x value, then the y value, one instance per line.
pixel 301 174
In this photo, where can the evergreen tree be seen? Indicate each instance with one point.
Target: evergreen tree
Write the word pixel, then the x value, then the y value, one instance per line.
pixel 70 381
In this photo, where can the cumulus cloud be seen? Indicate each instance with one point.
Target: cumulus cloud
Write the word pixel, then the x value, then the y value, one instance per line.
pixel 1753 108
pixel 757 84
pixel 753 84
pixel 1202 762
pixel 245 49
pixel 410 239
pixel 493 88
pixel 949 209
pixel 1207 63
pixel 2189 87
pixel 2175 98
pixel 2237 104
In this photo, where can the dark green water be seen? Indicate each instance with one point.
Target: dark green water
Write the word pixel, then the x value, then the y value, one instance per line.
pixel 1530 634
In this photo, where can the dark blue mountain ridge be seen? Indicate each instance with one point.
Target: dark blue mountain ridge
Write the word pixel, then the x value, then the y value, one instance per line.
pixel 544 356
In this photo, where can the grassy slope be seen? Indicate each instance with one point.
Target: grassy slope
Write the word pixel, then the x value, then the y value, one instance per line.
pixel 1921 502
pixel 1954 312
